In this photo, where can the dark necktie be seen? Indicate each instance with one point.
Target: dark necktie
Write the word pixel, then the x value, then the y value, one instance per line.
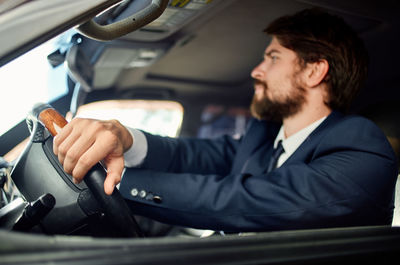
pixel 276 153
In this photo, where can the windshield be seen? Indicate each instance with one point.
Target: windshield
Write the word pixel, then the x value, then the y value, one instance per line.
pixel 30 79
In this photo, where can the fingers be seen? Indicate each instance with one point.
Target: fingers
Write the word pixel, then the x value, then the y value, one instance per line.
pixel 98 151
pixel 78 147
pixel 115 167
pixel 61 136
pixel 84 142
pixel 72 142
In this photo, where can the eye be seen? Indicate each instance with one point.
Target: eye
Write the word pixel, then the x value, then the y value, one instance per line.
pixel 273 58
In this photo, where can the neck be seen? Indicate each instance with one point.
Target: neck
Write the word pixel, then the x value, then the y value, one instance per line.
pixel 309 113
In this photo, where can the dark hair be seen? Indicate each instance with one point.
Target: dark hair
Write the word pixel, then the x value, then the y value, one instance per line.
pixel 315 35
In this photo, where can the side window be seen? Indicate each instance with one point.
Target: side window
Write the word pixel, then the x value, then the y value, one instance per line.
pixel 154 116
pixel 220 120
pixel 30 79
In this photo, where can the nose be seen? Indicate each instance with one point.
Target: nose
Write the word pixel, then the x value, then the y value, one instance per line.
pixel 258 71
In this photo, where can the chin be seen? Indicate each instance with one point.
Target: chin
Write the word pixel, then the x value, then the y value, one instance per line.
pixel 262 96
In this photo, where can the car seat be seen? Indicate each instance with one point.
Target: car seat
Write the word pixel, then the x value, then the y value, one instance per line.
pixel 386 116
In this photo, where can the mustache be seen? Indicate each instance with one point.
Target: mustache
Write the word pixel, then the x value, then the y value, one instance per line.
pixel 259 82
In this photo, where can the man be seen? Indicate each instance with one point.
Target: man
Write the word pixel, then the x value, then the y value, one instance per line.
pixel 317 168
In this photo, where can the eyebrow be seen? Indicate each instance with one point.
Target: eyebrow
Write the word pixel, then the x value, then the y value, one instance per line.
pixel 271 52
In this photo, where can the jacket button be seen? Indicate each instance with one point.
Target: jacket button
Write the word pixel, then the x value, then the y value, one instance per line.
pixel 142 194
pixel 157 199
pixel 149 196
pixel 134 192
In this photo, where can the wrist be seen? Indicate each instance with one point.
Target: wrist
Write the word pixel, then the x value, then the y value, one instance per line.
pixel 124 135
pixel 136 154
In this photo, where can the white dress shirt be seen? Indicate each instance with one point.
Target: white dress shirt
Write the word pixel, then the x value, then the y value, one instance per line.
pixel 138 151
pixel 291 143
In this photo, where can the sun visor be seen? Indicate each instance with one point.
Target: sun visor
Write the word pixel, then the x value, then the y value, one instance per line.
pixel 115 57
pixel 176 15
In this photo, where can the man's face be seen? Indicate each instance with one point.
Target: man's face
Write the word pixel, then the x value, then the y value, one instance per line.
pixel 277 90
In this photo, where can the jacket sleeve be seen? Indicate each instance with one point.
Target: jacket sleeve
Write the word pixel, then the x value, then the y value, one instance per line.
pixel 348 180
pixel 190 155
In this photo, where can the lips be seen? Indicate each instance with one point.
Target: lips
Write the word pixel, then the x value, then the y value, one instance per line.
pixel 258 83
pixel 260 88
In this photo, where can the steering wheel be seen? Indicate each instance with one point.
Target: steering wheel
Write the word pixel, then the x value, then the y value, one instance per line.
pixel 114 205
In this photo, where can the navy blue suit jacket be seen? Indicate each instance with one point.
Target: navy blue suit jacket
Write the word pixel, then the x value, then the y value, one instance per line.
pixel 343 174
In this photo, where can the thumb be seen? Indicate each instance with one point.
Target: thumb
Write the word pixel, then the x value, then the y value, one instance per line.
pixel 115 167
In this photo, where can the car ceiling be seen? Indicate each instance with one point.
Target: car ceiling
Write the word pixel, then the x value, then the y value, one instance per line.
pixel 212 55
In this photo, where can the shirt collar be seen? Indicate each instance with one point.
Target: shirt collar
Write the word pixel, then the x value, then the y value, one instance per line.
pixel 291 143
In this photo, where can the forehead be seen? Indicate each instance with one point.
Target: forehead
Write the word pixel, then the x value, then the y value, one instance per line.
pixel 274 45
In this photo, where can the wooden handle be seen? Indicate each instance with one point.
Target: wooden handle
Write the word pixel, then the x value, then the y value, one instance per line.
pixel 52 120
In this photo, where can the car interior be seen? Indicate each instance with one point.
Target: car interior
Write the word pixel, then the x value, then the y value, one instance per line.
pixel 178 68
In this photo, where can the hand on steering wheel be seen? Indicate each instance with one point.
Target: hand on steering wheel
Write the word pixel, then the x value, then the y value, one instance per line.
pixel 84 142
pixel 75 148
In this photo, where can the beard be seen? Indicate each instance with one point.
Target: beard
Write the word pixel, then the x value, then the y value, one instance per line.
pixel 273 110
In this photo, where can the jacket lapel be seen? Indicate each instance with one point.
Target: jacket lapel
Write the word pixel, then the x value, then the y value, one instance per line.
pixel 256 147
pixel 305 150
pixel 259 137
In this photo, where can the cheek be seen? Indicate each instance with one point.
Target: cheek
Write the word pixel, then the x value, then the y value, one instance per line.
pixel 280 88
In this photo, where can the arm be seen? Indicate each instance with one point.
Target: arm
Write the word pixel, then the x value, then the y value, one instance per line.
pixel 347 179
pixel 84 142
pixel 190 155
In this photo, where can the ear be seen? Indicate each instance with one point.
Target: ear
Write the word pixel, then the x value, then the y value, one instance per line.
pixel 316 72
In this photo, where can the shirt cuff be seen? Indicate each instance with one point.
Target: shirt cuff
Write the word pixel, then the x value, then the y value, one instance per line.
pixel 136 154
